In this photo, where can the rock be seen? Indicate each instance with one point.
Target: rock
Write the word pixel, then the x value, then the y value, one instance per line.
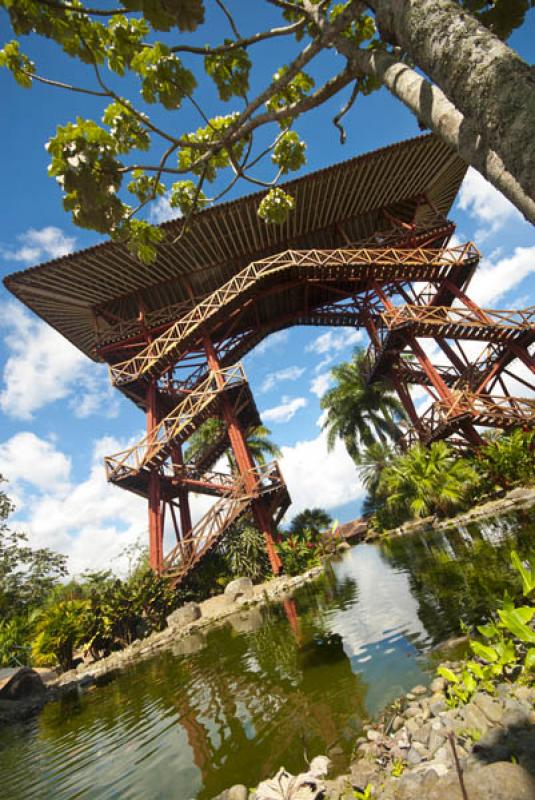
pixel 422 734
pixel 436 740
pixel 490 708
pixel 438 685
pixel 498 781
pixel 412 711
pixel 437 706
pixel 185 615
pixel 413 726
pixel 515 718
pixel 418 690
pixel 247 622
pixel 474 718
pixel 373 735
pixel 24 684
pixel 239 587
pixel 238 792
pixel 397 723
pixel 189 645
pixel 413 757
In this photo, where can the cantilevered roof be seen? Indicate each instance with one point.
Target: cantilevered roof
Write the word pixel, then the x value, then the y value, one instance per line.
pixel 345 201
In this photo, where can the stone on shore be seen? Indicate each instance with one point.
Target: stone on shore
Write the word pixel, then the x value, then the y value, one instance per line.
pixel 25 683
pixel 499 781
pixel 240 587
pixel 185 615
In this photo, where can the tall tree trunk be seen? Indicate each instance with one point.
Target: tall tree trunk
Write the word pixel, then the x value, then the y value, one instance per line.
pixel 432 108
pixel 492 87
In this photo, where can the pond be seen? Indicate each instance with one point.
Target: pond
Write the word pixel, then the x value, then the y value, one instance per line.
pixel 233 705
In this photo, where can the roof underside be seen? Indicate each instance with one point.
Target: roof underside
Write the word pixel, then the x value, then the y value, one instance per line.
pixel 342 202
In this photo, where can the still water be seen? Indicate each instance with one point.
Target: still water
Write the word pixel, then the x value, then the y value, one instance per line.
pixel 233 705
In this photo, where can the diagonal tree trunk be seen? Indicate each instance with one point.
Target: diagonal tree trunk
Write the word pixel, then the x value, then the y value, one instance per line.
pixel 432 107
pixel 484 79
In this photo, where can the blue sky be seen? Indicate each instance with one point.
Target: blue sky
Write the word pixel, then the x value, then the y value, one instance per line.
pixel 59 416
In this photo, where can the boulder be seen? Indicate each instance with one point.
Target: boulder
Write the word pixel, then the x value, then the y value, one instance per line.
pixel 25 683
pixel 183 616
pixel 238 792
pixel 239 587
pixel 499 781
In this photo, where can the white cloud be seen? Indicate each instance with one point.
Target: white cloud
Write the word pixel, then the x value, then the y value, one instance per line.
pixel 320 384
pixel 161 211
pixel 27 459
pixel 335 341
pixel 39 245
pixel 485 204
pixel 273 378
pixel 43 367
pixel 494 279
pixel 274 340
pixel 317 477
pixel 285 411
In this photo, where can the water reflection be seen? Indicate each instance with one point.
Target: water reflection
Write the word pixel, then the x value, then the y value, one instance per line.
pixel 234 704
pixel 461 573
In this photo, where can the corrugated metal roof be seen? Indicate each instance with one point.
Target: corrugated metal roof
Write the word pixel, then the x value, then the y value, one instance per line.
pixel 67 291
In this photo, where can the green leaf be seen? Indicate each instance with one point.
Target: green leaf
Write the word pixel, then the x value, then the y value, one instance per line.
pixel 446 673
pixel 515 622
pixel 289 152
pixel 527 575
pixel 275 206
pixel 484 652
pixel 529 661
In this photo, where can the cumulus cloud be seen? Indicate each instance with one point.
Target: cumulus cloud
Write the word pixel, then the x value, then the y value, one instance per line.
pixel 320 384
pixel 317 477
pixel 40 245
pixel 43 367
pixel 493 279
pixel 285 411
pixel 335 341
pixel 28 460
pixel 272 341
pixel 274 378
pixel 486 205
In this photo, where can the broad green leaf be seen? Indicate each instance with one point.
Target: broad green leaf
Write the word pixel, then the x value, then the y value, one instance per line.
pixel 515 622
pixel 450 676
pixel 527 575
pixel 484 652
pixel 529 661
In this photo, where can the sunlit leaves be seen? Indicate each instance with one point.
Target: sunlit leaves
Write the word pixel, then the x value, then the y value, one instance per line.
pixel 359 30
pixel 296 89
pixel 163 77
pixel 186 15
pixel 276 206
pixel 125 36
pixel 83 162
pixel 140 237
pixel 185 197
pixel 229 71
pixel 145 187
pixel 289 152
pixel 219 158
pixel 527 573
pixel 17 63
pixel 126 129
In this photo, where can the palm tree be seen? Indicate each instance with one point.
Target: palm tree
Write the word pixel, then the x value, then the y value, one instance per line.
pixel 260 445
pixel 424 481
pixel 372 462
pixel 359 413
pixel 315 519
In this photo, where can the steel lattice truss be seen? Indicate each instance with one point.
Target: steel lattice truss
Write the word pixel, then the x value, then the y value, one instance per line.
pixel 181 366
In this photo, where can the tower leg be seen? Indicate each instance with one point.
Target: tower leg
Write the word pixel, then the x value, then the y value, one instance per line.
pixel 155 504
pixel 244 460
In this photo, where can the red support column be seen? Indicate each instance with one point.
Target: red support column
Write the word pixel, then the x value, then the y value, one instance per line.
pixel 155 499
pixel 183 496
pixel 244 460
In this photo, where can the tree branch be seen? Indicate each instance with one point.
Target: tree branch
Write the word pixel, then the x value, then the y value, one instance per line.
pixel 60 85
pixel 244 42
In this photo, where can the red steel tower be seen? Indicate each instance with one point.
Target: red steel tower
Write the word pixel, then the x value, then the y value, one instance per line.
pixel 369 245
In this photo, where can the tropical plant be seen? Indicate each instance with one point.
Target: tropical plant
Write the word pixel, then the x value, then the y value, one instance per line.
pixel 424 481
pixel 374 459
pixel 358 412
pixel 15 649
pixel 59 629
pixel 27 574
pixel 130 66
pixel 299 551
pixel 509 647
pixel 260 446
pixel 244 550
pixel 507 459
pixel 313 519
